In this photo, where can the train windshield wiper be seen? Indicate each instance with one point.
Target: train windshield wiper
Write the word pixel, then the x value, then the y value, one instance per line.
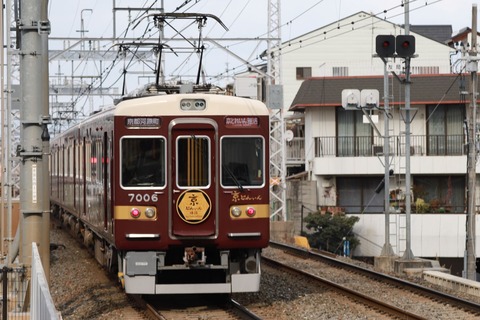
pixel 230 173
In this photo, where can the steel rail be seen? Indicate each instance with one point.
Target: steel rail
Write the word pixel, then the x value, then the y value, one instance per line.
pixel 355 295
pixel 331 259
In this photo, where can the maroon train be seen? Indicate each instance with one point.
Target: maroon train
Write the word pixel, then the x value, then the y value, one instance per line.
pixel 170 190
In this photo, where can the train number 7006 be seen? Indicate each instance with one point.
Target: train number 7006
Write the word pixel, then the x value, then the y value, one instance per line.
pixel 139 197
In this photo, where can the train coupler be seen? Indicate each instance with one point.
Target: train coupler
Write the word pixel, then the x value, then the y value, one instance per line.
pixel 194 256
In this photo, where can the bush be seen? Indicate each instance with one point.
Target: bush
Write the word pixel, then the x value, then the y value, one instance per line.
pixel 329 231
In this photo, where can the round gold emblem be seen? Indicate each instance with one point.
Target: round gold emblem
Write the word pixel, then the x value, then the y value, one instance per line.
pixel 193 206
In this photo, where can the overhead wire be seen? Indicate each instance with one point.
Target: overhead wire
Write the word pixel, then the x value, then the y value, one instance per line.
pixel 184 63
pixel 125 32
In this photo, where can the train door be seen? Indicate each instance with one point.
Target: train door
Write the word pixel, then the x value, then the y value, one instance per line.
pixel 106 179
pixel 193 167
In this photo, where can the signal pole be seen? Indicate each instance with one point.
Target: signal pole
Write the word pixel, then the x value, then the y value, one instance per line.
pixel 408 254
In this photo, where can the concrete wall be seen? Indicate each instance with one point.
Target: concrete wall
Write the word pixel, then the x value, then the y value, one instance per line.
pixel 433 235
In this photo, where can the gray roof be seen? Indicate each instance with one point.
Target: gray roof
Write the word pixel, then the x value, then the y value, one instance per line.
pixel 425 89
pixel 440 33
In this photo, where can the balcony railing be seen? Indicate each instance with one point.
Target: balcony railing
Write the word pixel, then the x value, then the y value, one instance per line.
pixel 420 145
pixel 295 150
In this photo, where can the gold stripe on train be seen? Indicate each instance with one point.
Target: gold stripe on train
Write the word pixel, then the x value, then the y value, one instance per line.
pixel 261 211
pixel 123 213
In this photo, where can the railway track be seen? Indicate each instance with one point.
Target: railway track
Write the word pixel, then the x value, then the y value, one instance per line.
pixel 381 307
pixel 411 300
pixel 196 307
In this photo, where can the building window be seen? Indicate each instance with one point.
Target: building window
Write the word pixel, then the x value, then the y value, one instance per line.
pixel 354 137
pixel 340 71
pixel 425 69
pixel 439 194
pixel 357 195
pixel 445 129
pixel 304 73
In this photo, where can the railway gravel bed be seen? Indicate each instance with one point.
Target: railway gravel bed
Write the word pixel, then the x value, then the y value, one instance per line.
pixel 399 297
pixel 80 288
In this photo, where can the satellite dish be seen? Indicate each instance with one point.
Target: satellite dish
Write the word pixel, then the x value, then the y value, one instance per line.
pixel 289 135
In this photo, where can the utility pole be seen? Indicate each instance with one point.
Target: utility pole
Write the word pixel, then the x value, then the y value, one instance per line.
pixel 82 28
pixel 472 67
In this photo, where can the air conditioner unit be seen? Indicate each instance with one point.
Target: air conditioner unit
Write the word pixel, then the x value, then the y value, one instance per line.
pixel 416 150
pixel 376 150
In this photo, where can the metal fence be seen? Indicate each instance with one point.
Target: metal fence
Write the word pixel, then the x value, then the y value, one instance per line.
pixel 14 290
pixel 42 306
pixel 20 303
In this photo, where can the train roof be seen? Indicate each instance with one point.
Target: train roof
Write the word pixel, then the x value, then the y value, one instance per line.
pixel 216 104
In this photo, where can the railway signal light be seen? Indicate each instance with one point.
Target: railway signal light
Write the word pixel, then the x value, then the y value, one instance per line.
pixel 385 46
pixel 405 46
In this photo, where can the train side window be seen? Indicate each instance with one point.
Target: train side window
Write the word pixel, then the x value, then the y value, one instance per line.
pixel 143 162
pixel 242 161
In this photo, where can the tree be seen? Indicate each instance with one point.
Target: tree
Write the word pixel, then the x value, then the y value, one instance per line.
pixel 330 230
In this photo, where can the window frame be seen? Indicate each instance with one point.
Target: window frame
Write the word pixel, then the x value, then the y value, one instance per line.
pixel 120 164
pixel 300 73
pixel 263 160
pixel 209 166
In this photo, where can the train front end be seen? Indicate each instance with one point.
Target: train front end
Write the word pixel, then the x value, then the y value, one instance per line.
pixel 191 211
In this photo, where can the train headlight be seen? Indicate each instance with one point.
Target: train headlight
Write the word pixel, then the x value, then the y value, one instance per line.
pixel 193 104
pixel 199 104
pixel 236 212
pixel 150 212
pixel 135 212
pixel 186 105
pixel 251 211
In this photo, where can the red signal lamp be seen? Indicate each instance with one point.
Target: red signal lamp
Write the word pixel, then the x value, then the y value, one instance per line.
pixel 405 45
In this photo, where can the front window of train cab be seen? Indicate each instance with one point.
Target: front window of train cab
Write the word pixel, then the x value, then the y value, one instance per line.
pixel 143 162
pixel 243 162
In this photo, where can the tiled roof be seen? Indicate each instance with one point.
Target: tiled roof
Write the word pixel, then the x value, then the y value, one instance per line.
pixel 424 89
pixel 440 33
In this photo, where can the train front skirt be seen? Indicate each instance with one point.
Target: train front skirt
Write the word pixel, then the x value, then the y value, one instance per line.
pixel 146 273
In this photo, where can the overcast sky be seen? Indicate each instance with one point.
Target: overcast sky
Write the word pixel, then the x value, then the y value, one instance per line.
pixel 248 18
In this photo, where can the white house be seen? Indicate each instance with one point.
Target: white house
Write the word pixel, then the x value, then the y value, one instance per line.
pixel 343 151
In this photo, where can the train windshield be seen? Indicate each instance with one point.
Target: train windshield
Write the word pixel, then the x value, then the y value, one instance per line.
pixel 143 162
pixel 242 161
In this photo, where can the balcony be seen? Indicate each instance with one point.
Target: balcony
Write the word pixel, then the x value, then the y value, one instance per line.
pixel 420 145
pixel 354 155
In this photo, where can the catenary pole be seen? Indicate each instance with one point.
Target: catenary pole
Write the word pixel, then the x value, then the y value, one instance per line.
pixel 32 117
